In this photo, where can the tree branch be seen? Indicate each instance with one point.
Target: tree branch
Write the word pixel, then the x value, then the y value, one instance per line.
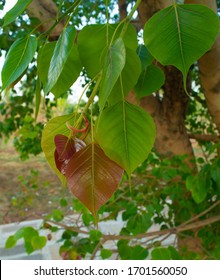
pixel 205 137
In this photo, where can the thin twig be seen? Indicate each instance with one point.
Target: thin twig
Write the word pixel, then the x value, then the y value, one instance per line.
pixel 201 214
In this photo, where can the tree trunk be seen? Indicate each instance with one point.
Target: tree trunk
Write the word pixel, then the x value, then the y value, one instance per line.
pixel 209 66
pixel 47 12
pixel 169 110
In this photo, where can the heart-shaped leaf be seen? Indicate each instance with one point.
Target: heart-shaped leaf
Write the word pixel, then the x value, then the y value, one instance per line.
pixel 126 133
pixel 61 53
pixel 114 63
pixel 150 80
pixel 38 242
pixel 92 177
pixel 18 8
pixel 180 34
pixel 18 58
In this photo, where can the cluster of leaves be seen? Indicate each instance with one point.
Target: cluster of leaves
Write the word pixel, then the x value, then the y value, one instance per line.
pixel 160 188
pixel 122 136
pixel 32 240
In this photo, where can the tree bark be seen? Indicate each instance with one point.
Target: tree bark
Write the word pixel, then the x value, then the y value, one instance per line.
pixel 47 12
pixel 209 66
pixel 122 5
pixel 169 110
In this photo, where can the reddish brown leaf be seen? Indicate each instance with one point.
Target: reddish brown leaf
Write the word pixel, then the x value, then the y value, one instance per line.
pixel 65 149
pixel 65 146
pixel 92 177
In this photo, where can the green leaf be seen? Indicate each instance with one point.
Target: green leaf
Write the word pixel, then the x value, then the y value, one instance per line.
pixel 128 78
pixel 179 35
pixel 43 61
pixel 139 223
pixel 114 63
pixel 18 8
pixel 57 215
pixel 215 174
pixel 27 233
pixel 93 41
pixel 106 254
pixel 131 210
pixel 53 127
pixel 126 133
pixel 95 235
pixel 37 97
pixel 127 252
pixel 32 240
pixel 69 74
pixel 61 53
pixel 10 242
pixel 199 186
pixel 145 56
pixel 161 253
pixel 87 218
pixel 18 58
pixel 150 80
pixel 63 202
pixel 38 242
pixel 92 177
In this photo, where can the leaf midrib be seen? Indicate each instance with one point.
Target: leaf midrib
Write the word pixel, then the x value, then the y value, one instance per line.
pixel 125 133
pixel 179 36
pixel 19 62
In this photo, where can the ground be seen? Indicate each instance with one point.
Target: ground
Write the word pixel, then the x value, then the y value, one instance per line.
pixel 28 189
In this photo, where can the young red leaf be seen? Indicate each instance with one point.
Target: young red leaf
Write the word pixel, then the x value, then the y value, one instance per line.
pixel 65 149
pixel 65 146
pixel 92 177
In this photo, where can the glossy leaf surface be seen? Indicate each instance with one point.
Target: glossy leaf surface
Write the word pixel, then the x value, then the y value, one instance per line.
pixel 92 177
pixel 60 56
pixel 65 148
pixel 128 78
pixel 69 74
pixel 18 8
pixel 126 133
pixel 114 63
pixel 180 34
pixel 18 58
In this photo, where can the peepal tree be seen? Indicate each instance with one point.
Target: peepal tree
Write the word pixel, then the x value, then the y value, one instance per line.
pixel 140 64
